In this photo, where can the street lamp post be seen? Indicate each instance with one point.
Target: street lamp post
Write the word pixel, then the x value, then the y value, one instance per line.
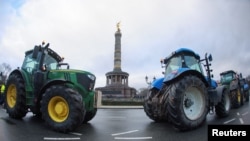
pixel 149 82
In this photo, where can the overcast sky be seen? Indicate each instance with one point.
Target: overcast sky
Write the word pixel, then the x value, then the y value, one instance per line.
pixel 83 32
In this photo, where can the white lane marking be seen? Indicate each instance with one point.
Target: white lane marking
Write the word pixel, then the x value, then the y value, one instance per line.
pixel 133 138
pixel 116 134
pixel 74 133
pixel 241 121
pixel 57 139
pixel 226 122
pixel 238 113
pixel 244 114
pixel 116 117
pixel 3 110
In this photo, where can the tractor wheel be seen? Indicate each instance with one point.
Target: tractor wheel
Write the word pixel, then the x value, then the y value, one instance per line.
pixel 236 98
pixel 247 95
pixel 1 99
pixel 242 97
pixel 62 108
pixel 188 103
pixel 89 115
pixel 148 106
pixel 222 109
pixel 15 98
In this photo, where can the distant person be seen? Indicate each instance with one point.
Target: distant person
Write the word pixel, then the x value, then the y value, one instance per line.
pixel 2 94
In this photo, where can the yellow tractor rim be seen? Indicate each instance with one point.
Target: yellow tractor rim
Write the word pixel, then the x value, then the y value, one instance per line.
pixel 238 95
pixel 58 109
pixel 11 95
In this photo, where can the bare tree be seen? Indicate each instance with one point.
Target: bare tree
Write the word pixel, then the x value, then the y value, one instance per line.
pixel 4 71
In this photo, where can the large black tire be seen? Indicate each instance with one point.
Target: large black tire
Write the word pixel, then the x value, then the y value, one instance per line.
pixel 242 97
pixel 236 98
pixel 222 109
pixel 247 95
pixel 90 115
pixel 62 108
pixel 188 103
pixel 149 109
pixel 1 99
pixel 15 98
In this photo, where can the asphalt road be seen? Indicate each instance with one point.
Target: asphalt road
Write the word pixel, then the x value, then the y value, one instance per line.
pixel 114 125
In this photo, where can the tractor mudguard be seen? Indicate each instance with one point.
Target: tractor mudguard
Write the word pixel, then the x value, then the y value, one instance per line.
pixel 175 73
pixel 213 83
pixel 220 90
pixel 53 82
pixel 233 85
pixel 17 71
pixel 215 95
pixel 181 72
pixel 24 77
pixel 38 93
pixel 157 83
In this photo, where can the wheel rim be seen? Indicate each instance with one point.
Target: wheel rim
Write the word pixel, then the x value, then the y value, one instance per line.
pixel 193 103
pixel 227 102
pixel 11 95
pixel 238 96
pixel 58 109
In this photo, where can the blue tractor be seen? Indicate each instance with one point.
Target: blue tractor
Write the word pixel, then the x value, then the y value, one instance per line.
pixel 185 95
pixel 245 89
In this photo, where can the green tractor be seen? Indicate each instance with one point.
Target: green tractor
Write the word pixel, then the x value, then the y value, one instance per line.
pixel 235 84
pixel 44 85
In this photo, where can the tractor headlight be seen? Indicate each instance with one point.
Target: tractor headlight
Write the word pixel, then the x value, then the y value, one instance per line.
pixel 92 84
pixel 92 77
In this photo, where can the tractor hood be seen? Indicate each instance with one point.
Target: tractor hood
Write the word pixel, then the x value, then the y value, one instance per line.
pixel 78 77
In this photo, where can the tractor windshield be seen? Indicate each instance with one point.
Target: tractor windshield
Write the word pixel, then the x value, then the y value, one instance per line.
pixel 192 63
pixel 177 62
pixel 173 64
pixel 50 62
pixel 226 77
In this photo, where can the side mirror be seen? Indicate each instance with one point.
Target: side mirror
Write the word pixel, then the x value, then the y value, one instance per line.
pixel 240 75
pixel 35 52
pixel 61 64
pixel 210 58
pixel 44 67
pixel 163 61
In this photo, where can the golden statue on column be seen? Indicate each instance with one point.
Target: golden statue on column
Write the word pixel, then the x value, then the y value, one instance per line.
pixel 118 26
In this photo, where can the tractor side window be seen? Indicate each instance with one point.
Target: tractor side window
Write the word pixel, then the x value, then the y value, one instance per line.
pixel 192 63
pixel 29 64
pixel 227 77
pixel 50 62
pixel 173 64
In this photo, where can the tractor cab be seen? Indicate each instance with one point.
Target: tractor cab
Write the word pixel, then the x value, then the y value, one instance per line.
pixel 184 61
pixel 37 64
pixel 227 77
pixel 41 58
